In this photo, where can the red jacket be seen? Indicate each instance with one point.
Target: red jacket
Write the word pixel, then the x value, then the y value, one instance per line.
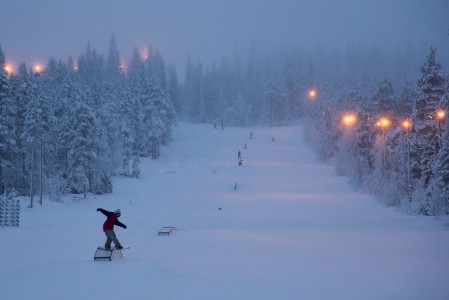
pixel 111 220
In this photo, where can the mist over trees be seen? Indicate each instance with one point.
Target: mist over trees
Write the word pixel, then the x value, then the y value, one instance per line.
pixel 378 118
pixel 71 127
pixel 354 118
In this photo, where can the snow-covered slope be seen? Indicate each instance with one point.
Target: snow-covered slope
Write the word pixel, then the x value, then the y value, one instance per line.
pixel 291 230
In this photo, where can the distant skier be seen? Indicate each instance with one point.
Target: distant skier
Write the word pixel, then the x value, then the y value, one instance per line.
pixel 273 139
pixel 108 227
pixel 239 155
pixel 251 135
pixel 245 147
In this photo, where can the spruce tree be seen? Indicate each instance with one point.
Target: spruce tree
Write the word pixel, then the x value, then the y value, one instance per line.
pixel 6 123
pixel 431 88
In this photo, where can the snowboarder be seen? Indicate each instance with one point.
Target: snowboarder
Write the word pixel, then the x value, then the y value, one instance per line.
pixel 108 227
pixel 239 155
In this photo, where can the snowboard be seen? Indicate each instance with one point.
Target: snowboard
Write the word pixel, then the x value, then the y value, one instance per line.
pixel 111 249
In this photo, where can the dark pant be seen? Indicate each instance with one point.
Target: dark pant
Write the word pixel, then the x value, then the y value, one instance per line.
pixel 110 234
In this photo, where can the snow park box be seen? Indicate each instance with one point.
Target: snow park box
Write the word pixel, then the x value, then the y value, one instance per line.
pixel 103 254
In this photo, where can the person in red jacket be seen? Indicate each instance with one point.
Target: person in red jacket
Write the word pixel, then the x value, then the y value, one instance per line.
pixel 108 227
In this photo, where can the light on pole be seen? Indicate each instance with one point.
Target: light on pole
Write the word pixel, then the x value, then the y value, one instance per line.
pixel 406 124
pixel 349 119
pixel 384 123
pixel 441 115
pixel 312 94
pixel 38 68
pixel 8 69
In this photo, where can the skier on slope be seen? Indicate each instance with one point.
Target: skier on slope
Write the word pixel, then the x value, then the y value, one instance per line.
pixel 108 227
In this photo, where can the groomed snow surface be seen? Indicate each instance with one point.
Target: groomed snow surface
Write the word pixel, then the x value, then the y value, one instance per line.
pixel 291 230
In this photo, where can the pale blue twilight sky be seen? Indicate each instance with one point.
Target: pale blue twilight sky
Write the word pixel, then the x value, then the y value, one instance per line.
pixel 35 30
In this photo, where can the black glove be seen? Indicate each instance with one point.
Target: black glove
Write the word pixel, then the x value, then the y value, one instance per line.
pixel 124 226
pixel 98 209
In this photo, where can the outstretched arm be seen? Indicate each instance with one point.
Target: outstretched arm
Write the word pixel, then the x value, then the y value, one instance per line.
pixel 118 223
pixel 104 212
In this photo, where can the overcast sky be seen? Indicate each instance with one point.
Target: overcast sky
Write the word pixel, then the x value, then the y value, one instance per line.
pixel 35 30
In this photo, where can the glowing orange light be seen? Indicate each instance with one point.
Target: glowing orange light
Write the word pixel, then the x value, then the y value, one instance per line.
pixel 384 122
pixel 349 119
pixel 38 68
pixel 122 65
pixel 441 114
pixel 312 93
pixel 406 124
pixel 145 54
pixel 8 69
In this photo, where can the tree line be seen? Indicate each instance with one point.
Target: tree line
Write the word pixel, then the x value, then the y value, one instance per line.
pixel 354 119
pixel 395 146
pixel 71 126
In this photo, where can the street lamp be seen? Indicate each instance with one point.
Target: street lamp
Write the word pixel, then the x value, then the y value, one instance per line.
pixel 38 68
pixel 8 69
pixel 406 124
pixel 440 114
pixel 312 94
pixel 349 119
pixel 384 123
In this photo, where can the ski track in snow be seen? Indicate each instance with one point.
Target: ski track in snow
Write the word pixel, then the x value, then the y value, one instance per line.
pixel 292 230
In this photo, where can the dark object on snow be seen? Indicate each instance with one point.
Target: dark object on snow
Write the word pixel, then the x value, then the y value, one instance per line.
pixel 240 162
pixel 166 230
pixel 104 254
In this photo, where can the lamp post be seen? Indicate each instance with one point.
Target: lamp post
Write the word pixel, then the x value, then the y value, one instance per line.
pixel 440 114
pixel 406 125
pixel 383 123
pixel 8 69
pixel 349 119
pixel 38 68
pixel 312 94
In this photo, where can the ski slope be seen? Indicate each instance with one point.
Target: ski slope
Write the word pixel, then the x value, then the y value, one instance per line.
pixel 291 230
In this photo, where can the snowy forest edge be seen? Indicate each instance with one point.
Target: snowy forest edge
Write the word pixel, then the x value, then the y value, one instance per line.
pixel 70 127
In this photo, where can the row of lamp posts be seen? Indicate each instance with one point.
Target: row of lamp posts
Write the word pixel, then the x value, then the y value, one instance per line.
pixel 350 119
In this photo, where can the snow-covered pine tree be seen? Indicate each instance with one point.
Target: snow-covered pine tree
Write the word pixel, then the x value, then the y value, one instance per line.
pixel 6 123
pixel 174 88
pixel 126 119
pixel 383 102
pixel 137 86
pixel 82 147
pixel 440 180
pixel 431 88
pixel 136 167
pixel 21 95
pixel 38 131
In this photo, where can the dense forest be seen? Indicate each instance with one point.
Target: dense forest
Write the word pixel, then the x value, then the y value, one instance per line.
pixel 379 119
pixel 69 127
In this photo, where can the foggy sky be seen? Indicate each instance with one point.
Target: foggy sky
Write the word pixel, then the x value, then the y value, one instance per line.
pixel 35 30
